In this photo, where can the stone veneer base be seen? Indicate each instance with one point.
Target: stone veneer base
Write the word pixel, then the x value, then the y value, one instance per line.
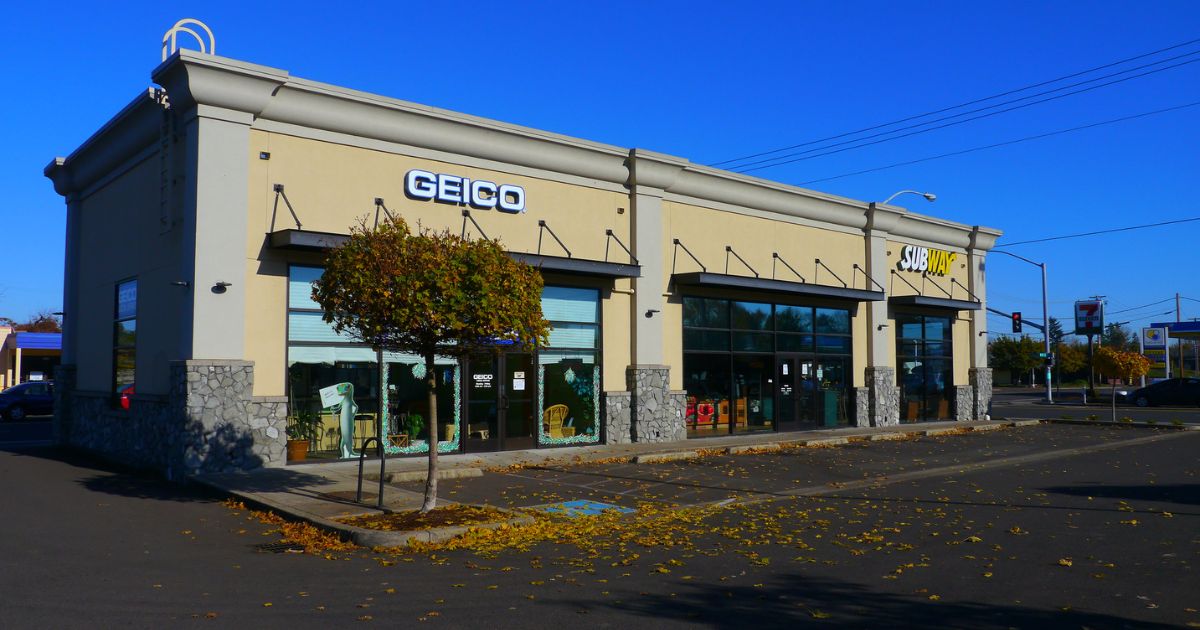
pixel 208 422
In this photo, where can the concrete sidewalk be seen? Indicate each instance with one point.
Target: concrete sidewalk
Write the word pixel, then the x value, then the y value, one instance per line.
pixel 321 493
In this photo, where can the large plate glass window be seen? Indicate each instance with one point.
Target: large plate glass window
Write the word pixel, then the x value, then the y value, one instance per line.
pixel 748 366
pixel 568 370
pixel 925 360
pixel 319 357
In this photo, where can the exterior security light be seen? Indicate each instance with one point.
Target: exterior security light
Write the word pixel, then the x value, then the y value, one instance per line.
pixel 927 195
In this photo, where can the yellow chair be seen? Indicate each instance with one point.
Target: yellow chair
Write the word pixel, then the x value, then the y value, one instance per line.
pixel 552 420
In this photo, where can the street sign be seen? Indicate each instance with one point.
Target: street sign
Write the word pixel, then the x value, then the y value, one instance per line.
pixel 1089 317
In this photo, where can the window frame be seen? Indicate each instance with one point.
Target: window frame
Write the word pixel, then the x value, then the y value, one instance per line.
pixel 118 347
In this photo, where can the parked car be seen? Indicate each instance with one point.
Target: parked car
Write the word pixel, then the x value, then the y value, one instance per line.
pixel 1172 391
pixel 27 399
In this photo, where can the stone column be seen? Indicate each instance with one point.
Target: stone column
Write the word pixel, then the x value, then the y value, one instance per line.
pixel 883 397
pixel 655 412
pixel 222 426
pixel 884 405
pixel 982 240
pixel 964 403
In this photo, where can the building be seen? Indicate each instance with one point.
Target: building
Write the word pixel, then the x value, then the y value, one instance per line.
pixel 27 356
pixel 687 301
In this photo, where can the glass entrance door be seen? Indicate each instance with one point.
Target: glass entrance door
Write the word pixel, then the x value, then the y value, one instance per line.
pixel 500 401
pixel 517 401
pixel 787 391
pixel 797 376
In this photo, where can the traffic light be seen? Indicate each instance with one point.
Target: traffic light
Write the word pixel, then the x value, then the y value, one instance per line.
pixel 1016 321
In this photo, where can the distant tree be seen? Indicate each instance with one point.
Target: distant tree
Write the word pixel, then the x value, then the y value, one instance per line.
pixel 1122 364
pixel 7 321
pixel 42 321
pixel 1056 331
pixel 1072 357
pixel 430 293
pixel 1019 356
pixel 1118 337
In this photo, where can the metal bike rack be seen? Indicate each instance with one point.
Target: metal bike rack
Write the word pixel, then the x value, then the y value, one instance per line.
pixel 362 453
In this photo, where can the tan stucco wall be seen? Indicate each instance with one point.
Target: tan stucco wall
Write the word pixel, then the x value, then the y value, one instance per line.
pixel 958 271
pixel 333 186
pixel 120 222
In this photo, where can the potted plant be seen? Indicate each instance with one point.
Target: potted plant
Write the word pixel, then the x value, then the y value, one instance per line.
pixel 414 424
pixel 301 430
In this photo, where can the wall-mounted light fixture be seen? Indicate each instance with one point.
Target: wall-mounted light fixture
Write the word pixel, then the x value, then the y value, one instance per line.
pixel 650 313
pixel 881 327
pixel 180 283
pixel 220 286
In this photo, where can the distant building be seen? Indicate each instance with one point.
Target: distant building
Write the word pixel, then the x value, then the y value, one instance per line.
pixel 28 356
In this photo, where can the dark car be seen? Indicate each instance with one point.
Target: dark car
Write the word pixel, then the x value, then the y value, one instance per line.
pixel 27 399
pixel 1173 391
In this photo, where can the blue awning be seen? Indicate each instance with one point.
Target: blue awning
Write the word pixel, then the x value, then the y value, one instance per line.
pixel 39 341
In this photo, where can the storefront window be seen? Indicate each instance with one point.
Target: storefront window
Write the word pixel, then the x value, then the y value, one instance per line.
pixel 406 399
pixel 319 357
pixel 734 372
pixel 124 341
pixel 924 355
pixel 568 369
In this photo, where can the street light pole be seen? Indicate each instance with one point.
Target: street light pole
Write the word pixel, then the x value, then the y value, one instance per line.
pixel 1045 318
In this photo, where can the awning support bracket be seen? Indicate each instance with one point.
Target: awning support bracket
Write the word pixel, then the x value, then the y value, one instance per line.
pixel 728 251
pixel 914 288
pixel 936 285
pixel 542 227
pixel 689 253
pixel 378 205
pixel 467 217
pixel 611 236
pixel 954 281
pixel 869 278
pixel 775 256
pixel 278 188
pixel 821 264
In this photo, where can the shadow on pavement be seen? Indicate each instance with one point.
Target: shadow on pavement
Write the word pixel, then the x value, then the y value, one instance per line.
pixel 1181 493
pixel 793 600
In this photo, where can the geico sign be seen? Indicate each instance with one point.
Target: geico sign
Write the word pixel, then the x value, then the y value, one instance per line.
pixel 932 261
pixel 463 191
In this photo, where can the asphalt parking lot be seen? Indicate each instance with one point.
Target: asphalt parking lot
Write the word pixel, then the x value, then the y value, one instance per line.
pixel 781 473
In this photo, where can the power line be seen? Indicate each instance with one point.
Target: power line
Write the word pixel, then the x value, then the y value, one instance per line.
pixel 1110 231
pixel 1000 144
pixel 742 168
pixel 1126 310
pixel 960 105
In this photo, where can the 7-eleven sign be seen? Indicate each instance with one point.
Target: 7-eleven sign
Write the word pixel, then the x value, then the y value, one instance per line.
pixel 1089 317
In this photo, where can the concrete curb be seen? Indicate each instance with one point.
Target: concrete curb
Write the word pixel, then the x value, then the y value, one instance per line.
pixel 372 538
pixel 421 475
pixel 753 448
pixel 658 458
pixel 1138 424
pixel 891 435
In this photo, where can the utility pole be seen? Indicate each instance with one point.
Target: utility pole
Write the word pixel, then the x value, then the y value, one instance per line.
pixel 1178 318
pixel 1045 320
pixel 1091 353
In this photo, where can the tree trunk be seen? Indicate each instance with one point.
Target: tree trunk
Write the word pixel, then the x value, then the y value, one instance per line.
pixel 431 481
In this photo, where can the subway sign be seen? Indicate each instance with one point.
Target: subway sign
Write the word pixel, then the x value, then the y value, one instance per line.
pixel 934 262
pixel 463 191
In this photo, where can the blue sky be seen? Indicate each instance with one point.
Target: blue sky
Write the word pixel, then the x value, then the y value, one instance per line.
pixel 705 81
